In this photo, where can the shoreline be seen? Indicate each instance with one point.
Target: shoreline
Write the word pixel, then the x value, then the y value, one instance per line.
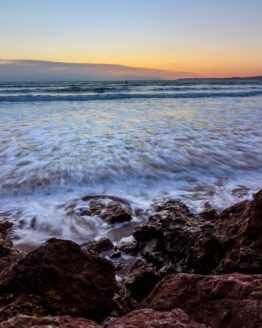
pixel 32 216
pixel 172 252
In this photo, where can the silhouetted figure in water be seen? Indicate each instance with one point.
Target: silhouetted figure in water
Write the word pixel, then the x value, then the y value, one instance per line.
pixel 126 83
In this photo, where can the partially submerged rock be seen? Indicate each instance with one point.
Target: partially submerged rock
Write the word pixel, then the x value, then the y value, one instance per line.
pixel 102 246
pixel 109 208
pixel 116 212
pixel 8 254
pixel 58 278
pixel 148 318
pixel 228 301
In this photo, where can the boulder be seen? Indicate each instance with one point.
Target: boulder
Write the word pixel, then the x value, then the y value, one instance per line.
pixel 56 279
pixel 148 318
pixel 239 228
pixel 24 321
pixel 228 301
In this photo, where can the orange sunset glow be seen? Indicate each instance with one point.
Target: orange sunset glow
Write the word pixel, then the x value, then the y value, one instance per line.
pixel 201 39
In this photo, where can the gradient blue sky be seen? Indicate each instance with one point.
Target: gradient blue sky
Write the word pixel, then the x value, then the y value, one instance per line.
pixel 206 37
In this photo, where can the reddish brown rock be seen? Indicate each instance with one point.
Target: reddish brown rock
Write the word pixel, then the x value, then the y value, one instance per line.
pixel 228 301
pixel 148 318
pixel 55 279
pixel 24 321
pixel 239 228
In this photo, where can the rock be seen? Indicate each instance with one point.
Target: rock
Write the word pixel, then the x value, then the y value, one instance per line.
pixel 116 212
pixel 8 254
pixel 239 228
pixel 129 247
pixel 108 208
pixel 228 301
pixel 173 227
pixel 141 279
pixel 123 301
pixel 241 191
pixel 24 321
pixel 103 246
pixel 176 240
pixel 4 227
pixel 205 254
pixel 173 240
pixel 56 279
pixel 209 213
pixel 148 318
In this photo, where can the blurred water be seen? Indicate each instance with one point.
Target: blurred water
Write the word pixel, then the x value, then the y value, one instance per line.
pixel 198 149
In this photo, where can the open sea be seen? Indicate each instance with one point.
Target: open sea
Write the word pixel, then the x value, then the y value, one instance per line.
pixel 199 141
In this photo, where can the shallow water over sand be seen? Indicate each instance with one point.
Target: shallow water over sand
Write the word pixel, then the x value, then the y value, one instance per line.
pixel 198 149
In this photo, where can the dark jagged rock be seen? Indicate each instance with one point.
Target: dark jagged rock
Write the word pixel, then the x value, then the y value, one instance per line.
pixel 55 279
pixel 171 230
pixel 176 240
pixel 123 301
pixel 24 321
pixel 8 254
pixel 148 318
pixel 169 237
pixel 165 245
pixel 108 208
pixel 116 212
pixel 62 278
pixel 129 247
pixel 199 243
pixel 5 226
pixel 228 301
pixel 141 279
pixel 98 247
pixel 239 228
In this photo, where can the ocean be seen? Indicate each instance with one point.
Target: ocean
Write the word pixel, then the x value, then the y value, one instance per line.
pixel 196 140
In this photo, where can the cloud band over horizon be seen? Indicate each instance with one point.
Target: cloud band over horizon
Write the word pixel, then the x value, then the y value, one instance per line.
pixel 36 70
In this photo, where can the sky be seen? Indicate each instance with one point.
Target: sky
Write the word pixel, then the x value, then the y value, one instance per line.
pixel 194 37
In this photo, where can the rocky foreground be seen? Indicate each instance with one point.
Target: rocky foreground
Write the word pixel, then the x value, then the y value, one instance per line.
pixel 180 270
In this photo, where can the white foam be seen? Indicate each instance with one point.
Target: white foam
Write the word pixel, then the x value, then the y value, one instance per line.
pixel 52 154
